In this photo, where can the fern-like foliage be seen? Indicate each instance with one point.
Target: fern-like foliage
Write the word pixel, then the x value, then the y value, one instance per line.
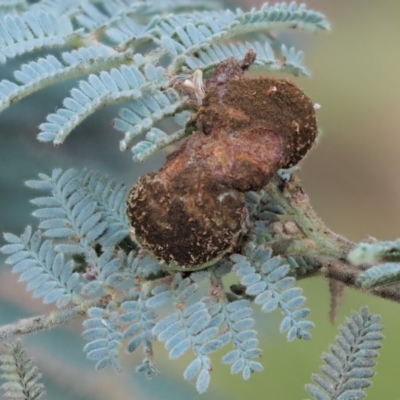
pixel 131 52
pixel 211 56
pixel 380 275
pixel 47 273
pixel 239 324
pixel 12 7
pixel 103 332
pixel 50 70
pixel 387 253
pixel 135 54
pixel 82 251
pixel 266 280
pixel 207 326
pixel 86 207
pixel 84 210
pixel 126 83
pixel 21 377
pixel 29 31
pixel 349 364
pixel 182 40
pixel 372 253
pixel 189 328
pixel 142 116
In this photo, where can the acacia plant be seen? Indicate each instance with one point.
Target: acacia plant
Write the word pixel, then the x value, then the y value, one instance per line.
pixel 226 202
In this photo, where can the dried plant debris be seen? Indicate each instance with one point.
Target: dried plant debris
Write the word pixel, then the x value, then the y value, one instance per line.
pixel 192 211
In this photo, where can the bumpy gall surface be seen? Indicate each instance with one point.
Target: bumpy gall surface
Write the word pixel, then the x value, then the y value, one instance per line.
pixel 192 211
pixel 188 220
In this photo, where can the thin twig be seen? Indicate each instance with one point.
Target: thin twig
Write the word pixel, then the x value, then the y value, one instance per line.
pixel 50 320
pixel 314 239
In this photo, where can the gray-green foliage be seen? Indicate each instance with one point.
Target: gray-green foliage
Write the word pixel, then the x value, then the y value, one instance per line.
pixel 21 377
pixel 134 54
pixel 385 258
pixel 349 364
pixel 83 223
pixel 131 52
pixel 266 279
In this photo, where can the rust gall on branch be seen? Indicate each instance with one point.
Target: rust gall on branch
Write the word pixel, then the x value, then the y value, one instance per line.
pixel 192 211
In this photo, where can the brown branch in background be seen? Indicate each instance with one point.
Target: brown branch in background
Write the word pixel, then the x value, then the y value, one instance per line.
pixel 348 274
pixel 317 241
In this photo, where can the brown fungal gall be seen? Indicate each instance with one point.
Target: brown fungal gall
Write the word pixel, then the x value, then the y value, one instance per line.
pixel 188 221
pixel 192 211
pixel 277 105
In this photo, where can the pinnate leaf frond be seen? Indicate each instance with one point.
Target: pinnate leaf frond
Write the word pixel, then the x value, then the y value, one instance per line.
pixel 188 328
pixel 387 257
pixel 141 320
pixel 267 280
pixel 29 32
pixel 47 273
pixel 239 324
pixel 185 40
pixel 110 196
pixel 145 112
pixel 372 253
pixel 380 275
pixel 79 207
pixel 103 331
pixel 12 7
pixel 131 52
pixel 49 70
pixel 21 377
pixel 118 85
pixel 211 56
pixel 349 364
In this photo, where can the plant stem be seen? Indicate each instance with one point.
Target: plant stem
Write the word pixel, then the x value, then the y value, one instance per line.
pixel 50 320
pixel 314 239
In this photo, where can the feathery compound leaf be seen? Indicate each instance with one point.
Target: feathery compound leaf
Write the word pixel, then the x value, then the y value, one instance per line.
pixel 84 208
pixel 75 215
pixel 130 71
pixel 112 269
pixel 189 328
pixel 27 32
pixel 46 272
pixel 117 85
pixel 49 70
pixel 142 320
pixel 104 336
pixel 285 16
pixel 21 377
pixel 91 17
pixel 183 40
pixel 293 61
pixel 371 253
pixel 266 280
pixel 156 140
pixel 144 113
pixel 349 365
pixel 239 323
pixel 131 52
pixel 384 274
pixel 58 7
pixel 211 56
pixel 124 19
pixel 12 7
pixel 111 201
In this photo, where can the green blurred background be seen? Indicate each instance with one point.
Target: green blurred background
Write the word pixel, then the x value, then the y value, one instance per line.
pixel 351 177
